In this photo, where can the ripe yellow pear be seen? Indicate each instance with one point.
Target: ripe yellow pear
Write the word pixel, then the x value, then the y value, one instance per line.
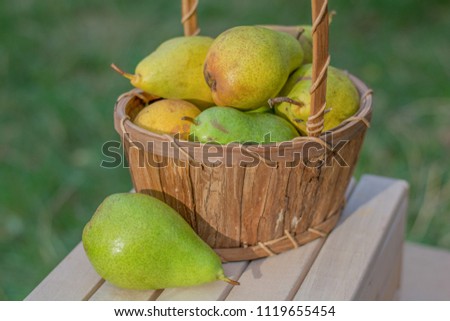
pixel 175 70
pixel 136 241
pixel 247 65
pixel 166 116
pixel 342 98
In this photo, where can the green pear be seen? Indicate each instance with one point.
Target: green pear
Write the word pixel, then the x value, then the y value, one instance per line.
pixel 136 241
pixel 342 98
pixel 175 70
pixel 225 125
pixel 262 109
pixel 247 65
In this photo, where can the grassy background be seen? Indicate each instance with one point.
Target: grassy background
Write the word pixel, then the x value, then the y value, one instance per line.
pixel 57 94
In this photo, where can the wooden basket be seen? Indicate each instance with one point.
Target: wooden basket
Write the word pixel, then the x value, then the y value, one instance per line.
pixel 251 201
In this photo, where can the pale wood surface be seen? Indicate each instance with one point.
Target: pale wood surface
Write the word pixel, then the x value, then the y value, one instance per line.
pixel 276 277
pixel 73 279
pixel 390 289
pixel 385 262
pixel 108 292
pixel 370 212
pixel 426 273
pixel 348 254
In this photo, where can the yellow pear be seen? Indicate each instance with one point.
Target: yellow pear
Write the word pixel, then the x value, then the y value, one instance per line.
pixel 247 65
pixel 175 70
pixel 342 98
pixel 166 116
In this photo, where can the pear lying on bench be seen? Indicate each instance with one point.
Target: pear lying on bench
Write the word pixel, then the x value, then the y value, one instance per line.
pixel 136 241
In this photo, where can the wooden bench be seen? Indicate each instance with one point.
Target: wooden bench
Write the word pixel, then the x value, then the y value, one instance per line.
pixel 360 260
pixel 425 273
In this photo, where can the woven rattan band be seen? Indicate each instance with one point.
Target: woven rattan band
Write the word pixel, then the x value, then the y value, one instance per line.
pixel 281 244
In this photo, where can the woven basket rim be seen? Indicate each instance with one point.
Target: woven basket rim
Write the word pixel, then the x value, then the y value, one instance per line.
pixel 346 130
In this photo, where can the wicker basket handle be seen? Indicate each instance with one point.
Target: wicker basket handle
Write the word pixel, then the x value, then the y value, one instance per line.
pixel 189 17
pixel 321 58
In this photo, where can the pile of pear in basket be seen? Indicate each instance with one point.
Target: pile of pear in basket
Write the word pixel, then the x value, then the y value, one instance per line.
pixel 251 136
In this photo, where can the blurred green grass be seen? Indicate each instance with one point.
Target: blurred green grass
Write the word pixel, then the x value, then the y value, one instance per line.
pixel 57 95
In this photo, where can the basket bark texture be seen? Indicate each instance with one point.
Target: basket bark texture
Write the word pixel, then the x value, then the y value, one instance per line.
pixel 251 201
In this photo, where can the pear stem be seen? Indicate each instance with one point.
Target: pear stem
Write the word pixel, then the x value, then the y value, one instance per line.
pixel 299 33
pixel 123 73
pixel 190 119
pixel 232 282
pixel 331 14
pixel 279 100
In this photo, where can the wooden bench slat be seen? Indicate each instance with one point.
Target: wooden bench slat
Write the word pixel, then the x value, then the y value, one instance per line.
pixel 277 277
pixel 378 280
pixel 109 292
pixel 391 287
pixel 346 257
pixel 426 273
pixel 74 279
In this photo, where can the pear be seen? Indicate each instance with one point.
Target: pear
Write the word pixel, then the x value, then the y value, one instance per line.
pixel 175 70
pixel 166 116
pixel 303 34
pixel 136 241
pixel 262 109
pixel 342 98
pixel 225 125
pixel 306 42
pixel 304 73
pixel 247 65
